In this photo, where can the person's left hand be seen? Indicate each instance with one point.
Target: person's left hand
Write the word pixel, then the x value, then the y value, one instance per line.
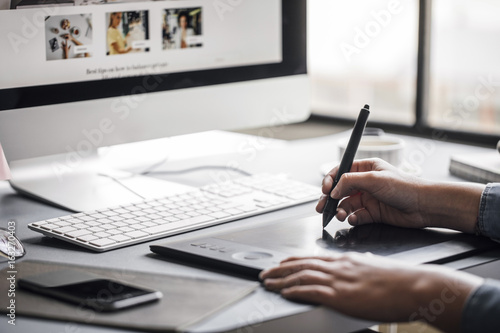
pixel 373 287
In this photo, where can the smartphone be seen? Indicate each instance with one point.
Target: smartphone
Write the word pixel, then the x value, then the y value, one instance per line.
pixel 54 44
pixel 100 294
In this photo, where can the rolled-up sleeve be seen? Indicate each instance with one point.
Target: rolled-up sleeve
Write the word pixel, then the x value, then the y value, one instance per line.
pixel 489 212
pixel 482 309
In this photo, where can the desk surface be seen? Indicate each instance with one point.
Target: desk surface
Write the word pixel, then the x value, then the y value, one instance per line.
pixel 261 311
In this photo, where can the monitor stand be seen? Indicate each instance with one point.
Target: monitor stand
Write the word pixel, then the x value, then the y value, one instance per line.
pixel 85 184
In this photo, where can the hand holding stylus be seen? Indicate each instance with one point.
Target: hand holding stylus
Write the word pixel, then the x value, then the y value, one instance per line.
pixel 330 209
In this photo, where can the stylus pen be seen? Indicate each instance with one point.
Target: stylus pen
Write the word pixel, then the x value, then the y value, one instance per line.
pixel 330 209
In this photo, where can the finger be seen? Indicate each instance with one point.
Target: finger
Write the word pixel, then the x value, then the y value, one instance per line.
pixel 333 257
pixel 294 266
pixel 351 204
pixel 341 214
pixel 321 203
pixel 317 294
pixel 327 184
pixel 364 165
pixel 361 216
pixel 305 277
pixel 355 182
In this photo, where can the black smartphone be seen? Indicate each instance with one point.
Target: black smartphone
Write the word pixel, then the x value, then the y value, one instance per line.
pixel 54 44
pixel 100 294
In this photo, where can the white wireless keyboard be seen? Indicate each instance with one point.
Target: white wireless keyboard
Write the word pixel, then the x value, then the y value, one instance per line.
pixel 116 227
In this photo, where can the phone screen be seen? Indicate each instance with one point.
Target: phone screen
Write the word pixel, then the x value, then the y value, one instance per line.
pixel 99 294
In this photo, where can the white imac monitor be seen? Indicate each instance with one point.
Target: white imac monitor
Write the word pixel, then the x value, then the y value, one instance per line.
pixel 77 75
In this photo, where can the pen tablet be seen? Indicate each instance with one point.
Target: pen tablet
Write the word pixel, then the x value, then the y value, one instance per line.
pixel 250 250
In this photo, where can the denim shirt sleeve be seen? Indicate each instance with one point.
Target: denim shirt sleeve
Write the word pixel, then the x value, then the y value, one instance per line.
pixel 489 212
pixel 482 309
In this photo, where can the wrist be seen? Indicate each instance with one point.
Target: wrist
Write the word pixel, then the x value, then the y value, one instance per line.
pixel 451 205
pixel 441 295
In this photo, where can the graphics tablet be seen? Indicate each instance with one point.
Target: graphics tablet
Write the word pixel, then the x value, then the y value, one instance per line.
pixel 248 251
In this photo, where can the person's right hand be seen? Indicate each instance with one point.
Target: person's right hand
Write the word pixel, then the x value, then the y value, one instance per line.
pixel 375 191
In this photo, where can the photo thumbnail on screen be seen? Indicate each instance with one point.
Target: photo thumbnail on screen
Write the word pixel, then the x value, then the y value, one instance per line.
pixel 182 28
pixel 68 36
pixel 128 32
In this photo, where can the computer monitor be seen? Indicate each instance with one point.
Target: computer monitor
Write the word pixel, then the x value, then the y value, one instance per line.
pixel 77 75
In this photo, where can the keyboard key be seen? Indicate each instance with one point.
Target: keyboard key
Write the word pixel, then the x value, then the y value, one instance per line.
pixel 165 214
pixel 233 211
pixel 49 226
pixel 63 223
pixel 127 216
pixel 94 223
pixel 78 233
pixel 139 213
pixel 107 226
pixel 125 229
pixel 80 226
pixel 102 242
pixel 247 208
pixel 64 230
pixel 219 215
pixel 86 238
pixel 119 238
pixel 167 227
pixel 102 234
pixel 97 216
pixel 136 234
pixel 109 213
pixel 140 226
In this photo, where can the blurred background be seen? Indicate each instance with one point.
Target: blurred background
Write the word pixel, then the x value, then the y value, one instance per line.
pixel 366 51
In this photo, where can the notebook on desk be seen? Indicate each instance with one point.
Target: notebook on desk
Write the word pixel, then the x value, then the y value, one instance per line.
pixel 248 251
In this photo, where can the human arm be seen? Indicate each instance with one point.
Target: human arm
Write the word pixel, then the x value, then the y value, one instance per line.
pixel 375 191
pixel 376 288
pixel 67 38
pixel 120 50
pixel 65 48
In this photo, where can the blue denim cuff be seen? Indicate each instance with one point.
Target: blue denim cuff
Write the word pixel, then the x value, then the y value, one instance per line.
pixel 489 212
pixel 480 313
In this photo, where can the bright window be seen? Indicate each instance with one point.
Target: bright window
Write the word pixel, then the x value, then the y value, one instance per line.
pixel 363 51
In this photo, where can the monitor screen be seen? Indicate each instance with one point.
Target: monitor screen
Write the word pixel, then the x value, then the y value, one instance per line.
pixel 77 75
pixel 58 51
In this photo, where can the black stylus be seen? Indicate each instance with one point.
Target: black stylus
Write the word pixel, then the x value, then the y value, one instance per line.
pixel 345 165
